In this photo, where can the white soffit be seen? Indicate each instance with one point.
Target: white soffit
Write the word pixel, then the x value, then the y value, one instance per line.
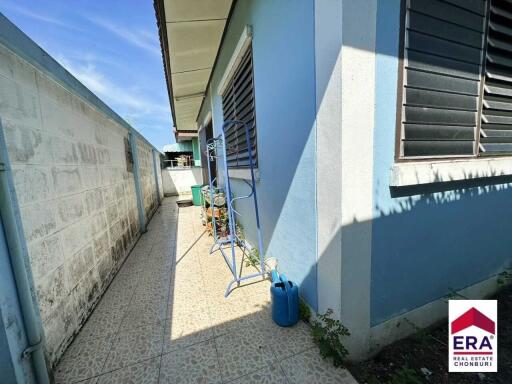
pixel 194 30
pixel 186 111
pixel 189 83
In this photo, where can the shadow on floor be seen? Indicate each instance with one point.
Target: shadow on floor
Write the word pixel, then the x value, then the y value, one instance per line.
pixel 165 319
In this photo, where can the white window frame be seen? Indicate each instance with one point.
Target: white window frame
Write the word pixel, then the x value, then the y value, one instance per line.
pixel 243 44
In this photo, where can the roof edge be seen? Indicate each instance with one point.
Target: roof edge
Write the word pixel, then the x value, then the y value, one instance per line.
pixel 214 66
pixel 159 7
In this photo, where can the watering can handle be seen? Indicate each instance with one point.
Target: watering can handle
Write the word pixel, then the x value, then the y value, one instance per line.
pixel 285 282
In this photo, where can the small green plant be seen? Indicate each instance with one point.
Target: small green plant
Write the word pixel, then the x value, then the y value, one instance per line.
pixel 240 232
pixel 405 375
pixel 504 278
pixel 252 258
pixel 304 311
pixel 327 334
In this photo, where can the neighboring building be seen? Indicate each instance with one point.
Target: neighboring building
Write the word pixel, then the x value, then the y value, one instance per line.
pixel 182 154
pixel 383 132
pixel 77 187
pixel 182 168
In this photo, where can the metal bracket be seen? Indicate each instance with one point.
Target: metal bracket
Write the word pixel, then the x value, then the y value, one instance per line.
pixel 31 348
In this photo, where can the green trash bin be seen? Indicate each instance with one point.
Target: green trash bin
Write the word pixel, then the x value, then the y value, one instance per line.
pixel 197 197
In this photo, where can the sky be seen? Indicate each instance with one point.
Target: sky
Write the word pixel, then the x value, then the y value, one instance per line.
pixel 112 47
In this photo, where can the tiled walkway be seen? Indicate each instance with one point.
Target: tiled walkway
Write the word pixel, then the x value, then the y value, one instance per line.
pixel 164 319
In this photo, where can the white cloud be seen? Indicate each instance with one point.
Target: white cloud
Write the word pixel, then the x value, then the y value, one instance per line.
pixel 139 38
pixel 126 101
pixel 38 16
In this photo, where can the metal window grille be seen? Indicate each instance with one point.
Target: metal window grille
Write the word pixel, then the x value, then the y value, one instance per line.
pixel 238 104
pixel 443 50
pixel 496 121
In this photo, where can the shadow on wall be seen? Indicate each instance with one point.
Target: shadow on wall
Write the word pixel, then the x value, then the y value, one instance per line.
pixel 446 236
pixel 438 238
pixel 433 238
pixel 284 76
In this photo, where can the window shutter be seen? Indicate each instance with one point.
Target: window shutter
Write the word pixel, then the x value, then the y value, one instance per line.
pixel 496 125
pixel 443 50
pixel 238 104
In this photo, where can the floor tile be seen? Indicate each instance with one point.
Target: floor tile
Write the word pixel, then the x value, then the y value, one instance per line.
pixel 187 329
pixel 135 345
pixel 165 318
pixel 116 298
pixel 103 322
pixel 233 317
pixel 143 312
pixel 242 353
pixel 288 341
pixel 192 365
pixel 309 368
pixel 182 305
pixel 269 375
pixel 83 360
pixel 141 373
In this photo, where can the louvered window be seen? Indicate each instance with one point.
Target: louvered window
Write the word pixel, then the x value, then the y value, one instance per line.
pixel 442 50
pixel 238 104
pixel 496 124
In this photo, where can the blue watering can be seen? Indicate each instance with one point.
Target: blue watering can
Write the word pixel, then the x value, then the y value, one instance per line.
pixel 285 300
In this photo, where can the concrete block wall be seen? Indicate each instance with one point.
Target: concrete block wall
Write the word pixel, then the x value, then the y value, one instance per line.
pixel 159 175
pixel 147 178
pixel 77 199
pixel 177 181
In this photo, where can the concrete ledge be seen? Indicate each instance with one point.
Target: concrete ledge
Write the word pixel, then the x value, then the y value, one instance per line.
pixel 428 172
pixel 429 314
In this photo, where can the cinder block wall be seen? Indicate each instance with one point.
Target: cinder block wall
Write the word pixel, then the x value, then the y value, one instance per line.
pixel 147 178
pixel 77 198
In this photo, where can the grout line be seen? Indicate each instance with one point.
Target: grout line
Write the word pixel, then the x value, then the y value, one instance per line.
pixel 126 311
pixel 119 369
pixel 187 218
pixel 171 271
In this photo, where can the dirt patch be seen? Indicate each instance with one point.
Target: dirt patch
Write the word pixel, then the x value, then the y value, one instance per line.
pixel 403 361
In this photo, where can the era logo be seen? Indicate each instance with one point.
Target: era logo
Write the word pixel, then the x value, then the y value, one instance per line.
pixel 472 335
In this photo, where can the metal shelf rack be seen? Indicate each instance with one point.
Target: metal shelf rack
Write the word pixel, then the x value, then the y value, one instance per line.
pixel 216 149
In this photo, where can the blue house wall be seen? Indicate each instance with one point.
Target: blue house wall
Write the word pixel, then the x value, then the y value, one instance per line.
pixel 435 238
pixel 284 78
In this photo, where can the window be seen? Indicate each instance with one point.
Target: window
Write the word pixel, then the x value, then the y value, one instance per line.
pixel 496 124
pixel 238 104
pixel 456 80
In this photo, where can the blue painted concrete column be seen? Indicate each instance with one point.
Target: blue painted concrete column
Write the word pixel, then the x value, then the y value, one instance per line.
pixel 136 176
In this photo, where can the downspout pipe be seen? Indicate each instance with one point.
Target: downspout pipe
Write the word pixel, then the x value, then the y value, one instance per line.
pixel 136 175
pixel 16 243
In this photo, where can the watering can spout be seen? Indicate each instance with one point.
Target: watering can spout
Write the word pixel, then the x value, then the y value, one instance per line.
pixel 274 276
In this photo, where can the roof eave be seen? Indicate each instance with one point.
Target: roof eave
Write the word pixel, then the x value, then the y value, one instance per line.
pixel 164 45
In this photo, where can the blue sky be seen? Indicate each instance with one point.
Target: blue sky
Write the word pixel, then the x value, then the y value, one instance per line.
pixel 110 46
